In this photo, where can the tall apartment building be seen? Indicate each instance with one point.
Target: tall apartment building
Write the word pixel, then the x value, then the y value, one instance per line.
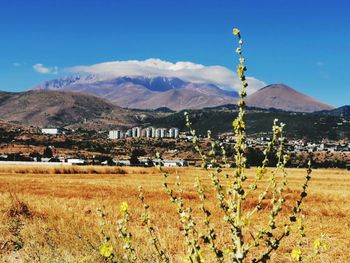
pixel 163 132
pixel 116 134
pixel 136 132
pixel 150 132
pixel 173 133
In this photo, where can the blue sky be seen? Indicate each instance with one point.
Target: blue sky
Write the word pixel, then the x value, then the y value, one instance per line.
pixel 304 44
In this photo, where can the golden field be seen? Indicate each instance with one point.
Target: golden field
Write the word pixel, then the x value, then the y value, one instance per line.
pixel 54 211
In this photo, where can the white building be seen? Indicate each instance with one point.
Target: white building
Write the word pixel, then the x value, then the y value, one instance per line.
pixel 53 131
pixel 153 132
pixel 117 134
pixel 122 162
pixel 136 132
pixel 150 132
pixel 157 133
pixel 76 161
pixel 128 133
pixel 163 132
pixel 174 163
pixel 174 133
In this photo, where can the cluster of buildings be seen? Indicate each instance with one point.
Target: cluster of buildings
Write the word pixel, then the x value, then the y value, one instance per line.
pixel 303 145
pixel 135 132
pixel 148 132
pixel 300 145
pixel 293 145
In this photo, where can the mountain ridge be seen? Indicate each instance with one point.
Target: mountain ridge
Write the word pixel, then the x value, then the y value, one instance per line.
pixel 62 109
pixel 145 92
pixel 141 92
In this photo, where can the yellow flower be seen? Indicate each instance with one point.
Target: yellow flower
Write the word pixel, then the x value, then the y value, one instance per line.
pixel 106 249
pixel 237 124
pixel 240 70
pixel 235 31
pixel 245 221
pixel 187 259
pixel 317 244
pixel 296 254
pixel 200 255
pixel 325 244
pixel 124 208
pixel 299 220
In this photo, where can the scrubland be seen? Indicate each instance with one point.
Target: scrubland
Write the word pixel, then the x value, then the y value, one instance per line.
pixel 49 214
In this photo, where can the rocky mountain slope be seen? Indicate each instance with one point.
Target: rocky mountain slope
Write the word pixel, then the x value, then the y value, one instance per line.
pixel 140 92
pixel 280 96
pixel 63 109
pixel 145 92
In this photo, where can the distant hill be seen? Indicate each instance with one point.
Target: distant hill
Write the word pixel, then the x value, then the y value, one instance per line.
pixel 343 111
pixel 63 109
pixel 259 122
pixel 282 97
pixel 145 92
pixel 164 109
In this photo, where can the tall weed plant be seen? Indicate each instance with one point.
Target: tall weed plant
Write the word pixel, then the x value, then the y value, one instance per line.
pixel 256 228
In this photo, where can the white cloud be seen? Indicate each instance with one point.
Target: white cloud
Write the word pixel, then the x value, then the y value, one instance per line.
pixel 188 71
pixel 16 64
pixel 40 68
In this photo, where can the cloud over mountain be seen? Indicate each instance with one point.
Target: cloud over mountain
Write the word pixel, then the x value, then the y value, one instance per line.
pixel 188 71
pixel 40 68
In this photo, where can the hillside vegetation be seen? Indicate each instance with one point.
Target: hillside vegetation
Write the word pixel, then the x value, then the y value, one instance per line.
pixel 298 125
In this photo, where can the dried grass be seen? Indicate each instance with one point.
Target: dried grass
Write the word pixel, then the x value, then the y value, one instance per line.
pixel 63 225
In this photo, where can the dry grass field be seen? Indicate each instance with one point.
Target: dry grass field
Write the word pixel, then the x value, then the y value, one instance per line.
pixel 51 212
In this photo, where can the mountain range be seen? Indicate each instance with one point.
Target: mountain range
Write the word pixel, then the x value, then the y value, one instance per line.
pixel 141 92
pixel 145 92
